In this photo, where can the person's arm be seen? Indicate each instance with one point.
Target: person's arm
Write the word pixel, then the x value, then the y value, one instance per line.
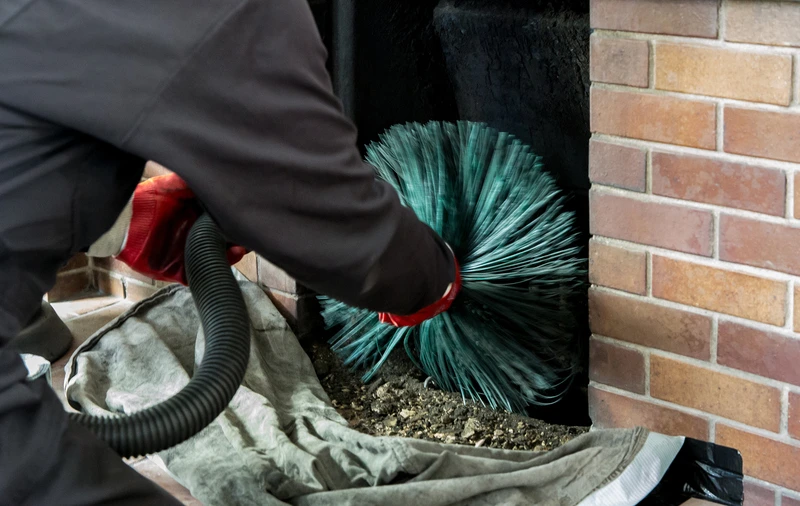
pixel 251 123
pixel 236 99
pixel 149 233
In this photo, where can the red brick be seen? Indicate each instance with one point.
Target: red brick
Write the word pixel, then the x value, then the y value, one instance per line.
pixel 616 165
pixel 109 284
pixel 654 118
pixel 764 458
pixel 756 495
pixel 763 22
pixel 271 276
pixel 618 268
pixel 713 181
pixel 765 134
pixel 648 324
pixel 797 195
pixel 609 410
pixel 69 285
pixel 723 291
pixel 767 354
pixel 248 266
pixel 301 312
pixel 112 265
pixel 714 392
pixel 760 244
pixel 794 414
pixel 797 308
pixel 696 18
pixel 78 261
pixel 726 73
pixel 285 303
pixel 614 365
pixel 668 226
pixel 619 61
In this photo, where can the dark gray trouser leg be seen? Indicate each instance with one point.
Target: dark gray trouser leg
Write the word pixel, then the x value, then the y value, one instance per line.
pixel 59 191
pixel 46 335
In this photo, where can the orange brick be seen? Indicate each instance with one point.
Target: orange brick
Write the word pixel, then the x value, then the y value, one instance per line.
pixel 713 181
pixel 766 134
pixel 794 415
pixel 616 366
pixel 648 324
pixel 248 267
pixel 714 392
pixel 617 267
pixel 668 226
pixel 767 354
pixel 764 458
pixel 616 165
pixel 756 495
pixel 619 61
pixel 763 22
pixel 758 243
pixel 696 18
pixel 609 410
pixel 654 118
pixel 726 73
pixel 724 291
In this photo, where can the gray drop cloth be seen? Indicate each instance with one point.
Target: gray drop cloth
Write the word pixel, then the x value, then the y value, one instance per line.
pixel 281 442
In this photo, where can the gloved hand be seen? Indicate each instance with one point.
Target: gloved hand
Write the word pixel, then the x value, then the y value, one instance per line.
pixel 426 313
pixel 164 210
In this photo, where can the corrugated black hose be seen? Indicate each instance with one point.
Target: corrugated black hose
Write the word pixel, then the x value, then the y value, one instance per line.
pixel 226 326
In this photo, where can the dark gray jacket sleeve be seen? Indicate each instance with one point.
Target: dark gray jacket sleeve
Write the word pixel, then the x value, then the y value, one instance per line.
pixel 234 96
pixel 263 142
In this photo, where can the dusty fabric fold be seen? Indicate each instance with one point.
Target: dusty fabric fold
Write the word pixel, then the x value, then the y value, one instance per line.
pixel 281 441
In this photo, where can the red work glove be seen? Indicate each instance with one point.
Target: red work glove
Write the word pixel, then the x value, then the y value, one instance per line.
pixel 426 313
pixel 164 210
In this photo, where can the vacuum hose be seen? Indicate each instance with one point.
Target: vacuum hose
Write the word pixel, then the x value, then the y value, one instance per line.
pixel 226 326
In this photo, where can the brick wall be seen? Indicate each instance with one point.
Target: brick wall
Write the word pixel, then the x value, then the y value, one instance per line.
pixel 73 279
pixel 113 277
pixel 695 255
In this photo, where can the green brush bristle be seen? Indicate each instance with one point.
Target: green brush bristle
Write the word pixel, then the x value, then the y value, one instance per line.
pixel 509 340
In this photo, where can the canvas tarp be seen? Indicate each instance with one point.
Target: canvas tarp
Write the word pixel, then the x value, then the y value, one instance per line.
pixel 280 441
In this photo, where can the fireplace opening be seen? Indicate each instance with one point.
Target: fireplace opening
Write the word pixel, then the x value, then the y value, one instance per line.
pixel 521 66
